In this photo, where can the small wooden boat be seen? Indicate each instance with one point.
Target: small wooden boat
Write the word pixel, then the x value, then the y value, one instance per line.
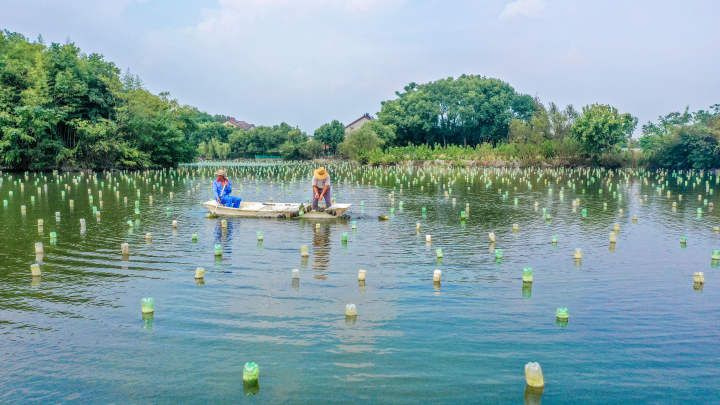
pixel 275 210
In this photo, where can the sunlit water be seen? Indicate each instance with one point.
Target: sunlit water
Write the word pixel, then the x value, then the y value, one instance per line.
pixel 638 330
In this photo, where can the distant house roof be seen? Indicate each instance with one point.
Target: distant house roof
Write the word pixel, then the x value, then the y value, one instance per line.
pixel 238 124
pixel 365 116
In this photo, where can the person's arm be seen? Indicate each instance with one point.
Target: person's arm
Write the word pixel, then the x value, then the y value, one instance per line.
pixel 228 188
pixel 325 188
pixel 316 190
pixel 216 190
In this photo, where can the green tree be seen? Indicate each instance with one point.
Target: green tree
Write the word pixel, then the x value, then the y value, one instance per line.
pixel 330 134
pixel 359 144
pixel 601 128
pixel 468 110
pixel 535 130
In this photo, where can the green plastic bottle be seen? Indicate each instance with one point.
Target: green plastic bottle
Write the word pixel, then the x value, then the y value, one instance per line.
pixel 251 373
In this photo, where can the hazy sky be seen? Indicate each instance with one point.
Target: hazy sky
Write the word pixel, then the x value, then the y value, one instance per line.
pixel 307 62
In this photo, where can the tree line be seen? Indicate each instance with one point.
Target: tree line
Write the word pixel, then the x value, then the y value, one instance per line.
pixel 61 108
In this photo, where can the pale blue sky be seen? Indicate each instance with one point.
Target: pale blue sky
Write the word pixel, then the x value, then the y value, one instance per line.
pixel 308 62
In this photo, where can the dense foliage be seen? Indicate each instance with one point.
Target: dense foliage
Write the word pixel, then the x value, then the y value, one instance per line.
pixel 601 128
pixel 330 134
pixel 683 140
pixel 465 111
pixel 61 108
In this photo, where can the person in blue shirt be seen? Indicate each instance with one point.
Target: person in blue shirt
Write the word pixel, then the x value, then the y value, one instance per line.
pixel 222 187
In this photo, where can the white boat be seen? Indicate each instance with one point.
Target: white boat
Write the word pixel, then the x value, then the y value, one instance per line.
pixel 274 210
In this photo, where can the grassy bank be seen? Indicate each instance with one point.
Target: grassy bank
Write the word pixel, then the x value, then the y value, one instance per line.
pixel 550 153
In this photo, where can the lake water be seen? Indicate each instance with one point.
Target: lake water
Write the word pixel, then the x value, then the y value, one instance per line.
pixel 639 330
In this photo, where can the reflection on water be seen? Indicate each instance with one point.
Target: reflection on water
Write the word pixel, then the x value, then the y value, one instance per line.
pixel 321 250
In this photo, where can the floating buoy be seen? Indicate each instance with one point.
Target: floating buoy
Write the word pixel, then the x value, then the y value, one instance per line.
pixel 527 276
pixel 554 240
pixel 437 276
pixel 498 254
pixel 439 253
pixel 35 270
pixel 39 248
pixel 362 274
pixel 612 237
pixel 251 373
pixel 350 311
pixel 223 223
pixel 295 274
pixel 428 238
pixel 147 305
pixel 533 375
pixel 344 237
pixel 199 273
pixel 125 249
pixel 515 227
pixel 716 254
pixel 491 237
pixel 174 223
pixel 578 254
pixel 562 314
pixel 218 250
pixel 304 252
pixel 259 235
pixel 417 226
pixel 194 237
pixel 353 225
pixel 616 227
pixel 683 240
pixel 148 237
pixel 698 277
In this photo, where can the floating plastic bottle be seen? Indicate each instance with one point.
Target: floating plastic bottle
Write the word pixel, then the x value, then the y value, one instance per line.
pixel 251 373
pixel 527 276
pixel 199 273
pixel 533 375
pixel 350 310
pixel 562 314
pixel 147 305
pixel 218 250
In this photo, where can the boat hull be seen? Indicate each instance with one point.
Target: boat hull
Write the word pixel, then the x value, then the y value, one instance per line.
pixel 251 209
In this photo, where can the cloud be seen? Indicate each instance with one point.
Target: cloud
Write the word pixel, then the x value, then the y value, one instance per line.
pixel 523 8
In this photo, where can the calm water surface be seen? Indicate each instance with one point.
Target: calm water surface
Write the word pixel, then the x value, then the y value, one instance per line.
pixel 638 332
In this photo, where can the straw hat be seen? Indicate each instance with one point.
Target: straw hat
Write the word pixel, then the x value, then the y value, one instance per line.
pixel 320 173
pixel 221 172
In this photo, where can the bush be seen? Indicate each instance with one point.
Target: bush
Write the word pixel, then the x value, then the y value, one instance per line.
pixel 360 143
